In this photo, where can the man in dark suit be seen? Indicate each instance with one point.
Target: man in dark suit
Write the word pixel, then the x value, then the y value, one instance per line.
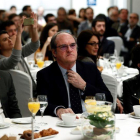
pixel 7 96
pixel 99 27
pixel 131 87
pixel 67 82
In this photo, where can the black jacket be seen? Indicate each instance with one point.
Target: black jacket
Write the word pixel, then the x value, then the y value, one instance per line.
pixel 50 82
pixel 131 93
pixel 7 96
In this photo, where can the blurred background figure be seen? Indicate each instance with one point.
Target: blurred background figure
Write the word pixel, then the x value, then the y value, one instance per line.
pixel 82 13
pixel 50 18
pixel 62 21
pixel 45 38
pixel 27 9
pixel 15 18
pixel 40 13
pixel 13 9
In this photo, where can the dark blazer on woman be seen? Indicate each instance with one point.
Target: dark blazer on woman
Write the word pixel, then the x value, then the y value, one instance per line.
pixel 7 96
pixel 50 82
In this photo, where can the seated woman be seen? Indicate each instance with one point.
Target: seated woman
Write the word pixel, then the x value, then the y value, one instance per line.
pixel 88 45
pixel 45 38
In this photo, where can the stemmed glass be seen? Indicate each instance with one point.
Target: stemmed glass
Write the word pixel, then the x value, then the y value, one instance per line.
pixel 33 105
pixel 39 58
pixel 43 104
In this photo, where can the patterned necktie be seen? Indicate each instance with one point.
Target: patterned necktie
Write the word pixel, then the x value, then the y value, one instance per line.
pixel 75 99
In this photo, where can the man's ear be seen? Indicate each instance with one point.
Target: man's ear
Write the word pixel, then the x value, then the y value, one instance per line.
pixel 138 65
pixel 54 53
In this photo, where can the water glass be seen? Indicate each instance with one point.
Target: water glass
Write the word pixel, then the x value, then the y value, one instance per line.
pixel 100 97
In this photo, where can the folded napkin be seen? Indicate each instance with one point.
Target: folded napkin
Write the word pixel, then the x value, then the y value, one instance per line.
pixel 131 71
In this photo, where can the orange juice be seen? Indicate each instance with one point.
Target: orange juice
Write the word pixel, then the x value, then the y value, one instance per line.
pixel 118 65
pixel 90 102
pixel 40 63
pixel 34 107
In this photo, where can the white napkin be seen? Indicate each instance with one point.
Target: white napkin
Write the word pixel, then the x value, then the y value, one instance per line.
pixel 131 71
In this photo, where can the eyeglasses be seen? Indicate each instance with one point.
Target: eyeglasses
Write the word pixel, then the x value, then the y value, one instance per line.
pixel 65 46
pixel 94 44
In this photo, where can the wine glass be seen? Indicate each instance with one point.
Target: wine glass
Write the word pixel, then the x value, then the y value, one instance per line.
pixel 33 106
pixel 90 100
pixel 39 58
pixel 43 104
pixel 100 97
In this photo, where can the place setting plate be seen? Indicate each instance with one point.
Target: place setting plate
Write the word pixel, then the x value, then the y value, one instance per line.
pixel 5 125
pixel 132 114
pixel 22 121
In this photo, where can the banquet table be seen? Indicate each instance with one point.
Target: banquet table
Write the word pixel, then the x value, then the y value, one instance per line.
pixel 128 128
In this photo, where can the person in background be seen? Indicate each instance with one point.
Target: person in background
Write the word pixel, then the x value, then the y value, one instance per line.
pixel 15 18
pixel 27 9
pixel 67 82
pixel 63 23
pixel 131 87
pixel 50 18
pixel 88 45
pixel 106 46
pixel 13 9
pixel 123 20
pixel 85 25
pixel 8 99
pixel 82 13
pixel 41 20
pixel 45 38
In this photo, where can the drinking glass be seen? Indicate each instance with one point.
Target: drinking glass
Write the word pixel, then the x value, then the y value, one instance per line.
pixel 39 58
pixel 43 104
pixel 90 100
pixel 100 97
pixel 33 106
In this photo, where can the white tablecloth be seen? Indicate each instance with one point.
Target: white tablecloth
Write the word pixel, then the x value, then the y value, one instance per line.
pixel 128 128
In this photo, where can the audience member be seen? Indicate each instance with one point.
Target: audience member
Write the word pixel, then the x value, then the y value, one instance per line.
pixel 82 13
pixel 106 46
pixel 41 20
pixel 14 18
pixel 62 21
pixel 123 15
pixel 27 9
pixel 45 39
pixel 5 16
pixel 50 18
pixel 113 15
pixel 65 78
pixel 13 9
pixel 131 87
pixel 85 25
pixel 88 45
pixel 130 33
pixel 8 96
pixel 12 55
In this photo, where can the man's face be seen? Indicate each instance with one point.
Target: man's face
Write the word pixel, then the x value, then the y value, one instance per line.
pixel 114 16
pixel 133 19
pixel 89 14
pixel 16 20
pixel 123 15
pixel 51 19
pixel 99 28
pixel 5 42
pixel 68 56
pixel 11 30
pixel 29 10
pixel 61 15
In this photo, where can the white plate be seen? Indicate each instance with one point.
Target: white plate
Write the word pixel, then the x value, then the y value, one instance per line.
pixel 22 120
pixel 42 138
pixel 136 117
pixel 5 125
pixel 61 123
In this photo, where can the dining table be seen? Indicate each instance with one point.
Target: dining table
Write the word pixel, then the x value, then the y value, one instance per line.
pixel 126 124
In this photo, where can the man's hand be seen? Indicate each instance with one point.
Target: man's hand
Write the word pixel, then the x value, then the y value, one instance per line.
pixel 76 80
pixel 119 106
pixel 34 16
pixel 61 111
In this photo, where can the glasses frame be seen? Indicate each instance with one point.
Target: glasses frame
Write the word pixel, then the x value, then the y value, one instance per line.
pixel 64 47
pixel 94 44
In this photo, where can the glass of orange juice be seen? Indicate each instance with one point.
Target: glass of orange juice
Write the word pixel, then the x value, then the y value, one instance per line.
pixel 40 63
pixel 33 106
pixel 39 58
pixel 90 100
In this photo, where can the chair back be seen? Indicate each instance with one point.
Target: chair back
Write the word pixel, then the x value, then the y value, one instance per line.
pixel 111 84
pixel 23 87
pixel 118 43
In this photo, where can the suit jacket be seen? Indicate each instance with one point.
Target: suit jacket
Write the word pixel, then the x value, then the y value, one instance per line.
pixel 135 34
pixel 7 96
pixel 131 93
pixel 83 26
pixel 107 46
pixel 50 82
